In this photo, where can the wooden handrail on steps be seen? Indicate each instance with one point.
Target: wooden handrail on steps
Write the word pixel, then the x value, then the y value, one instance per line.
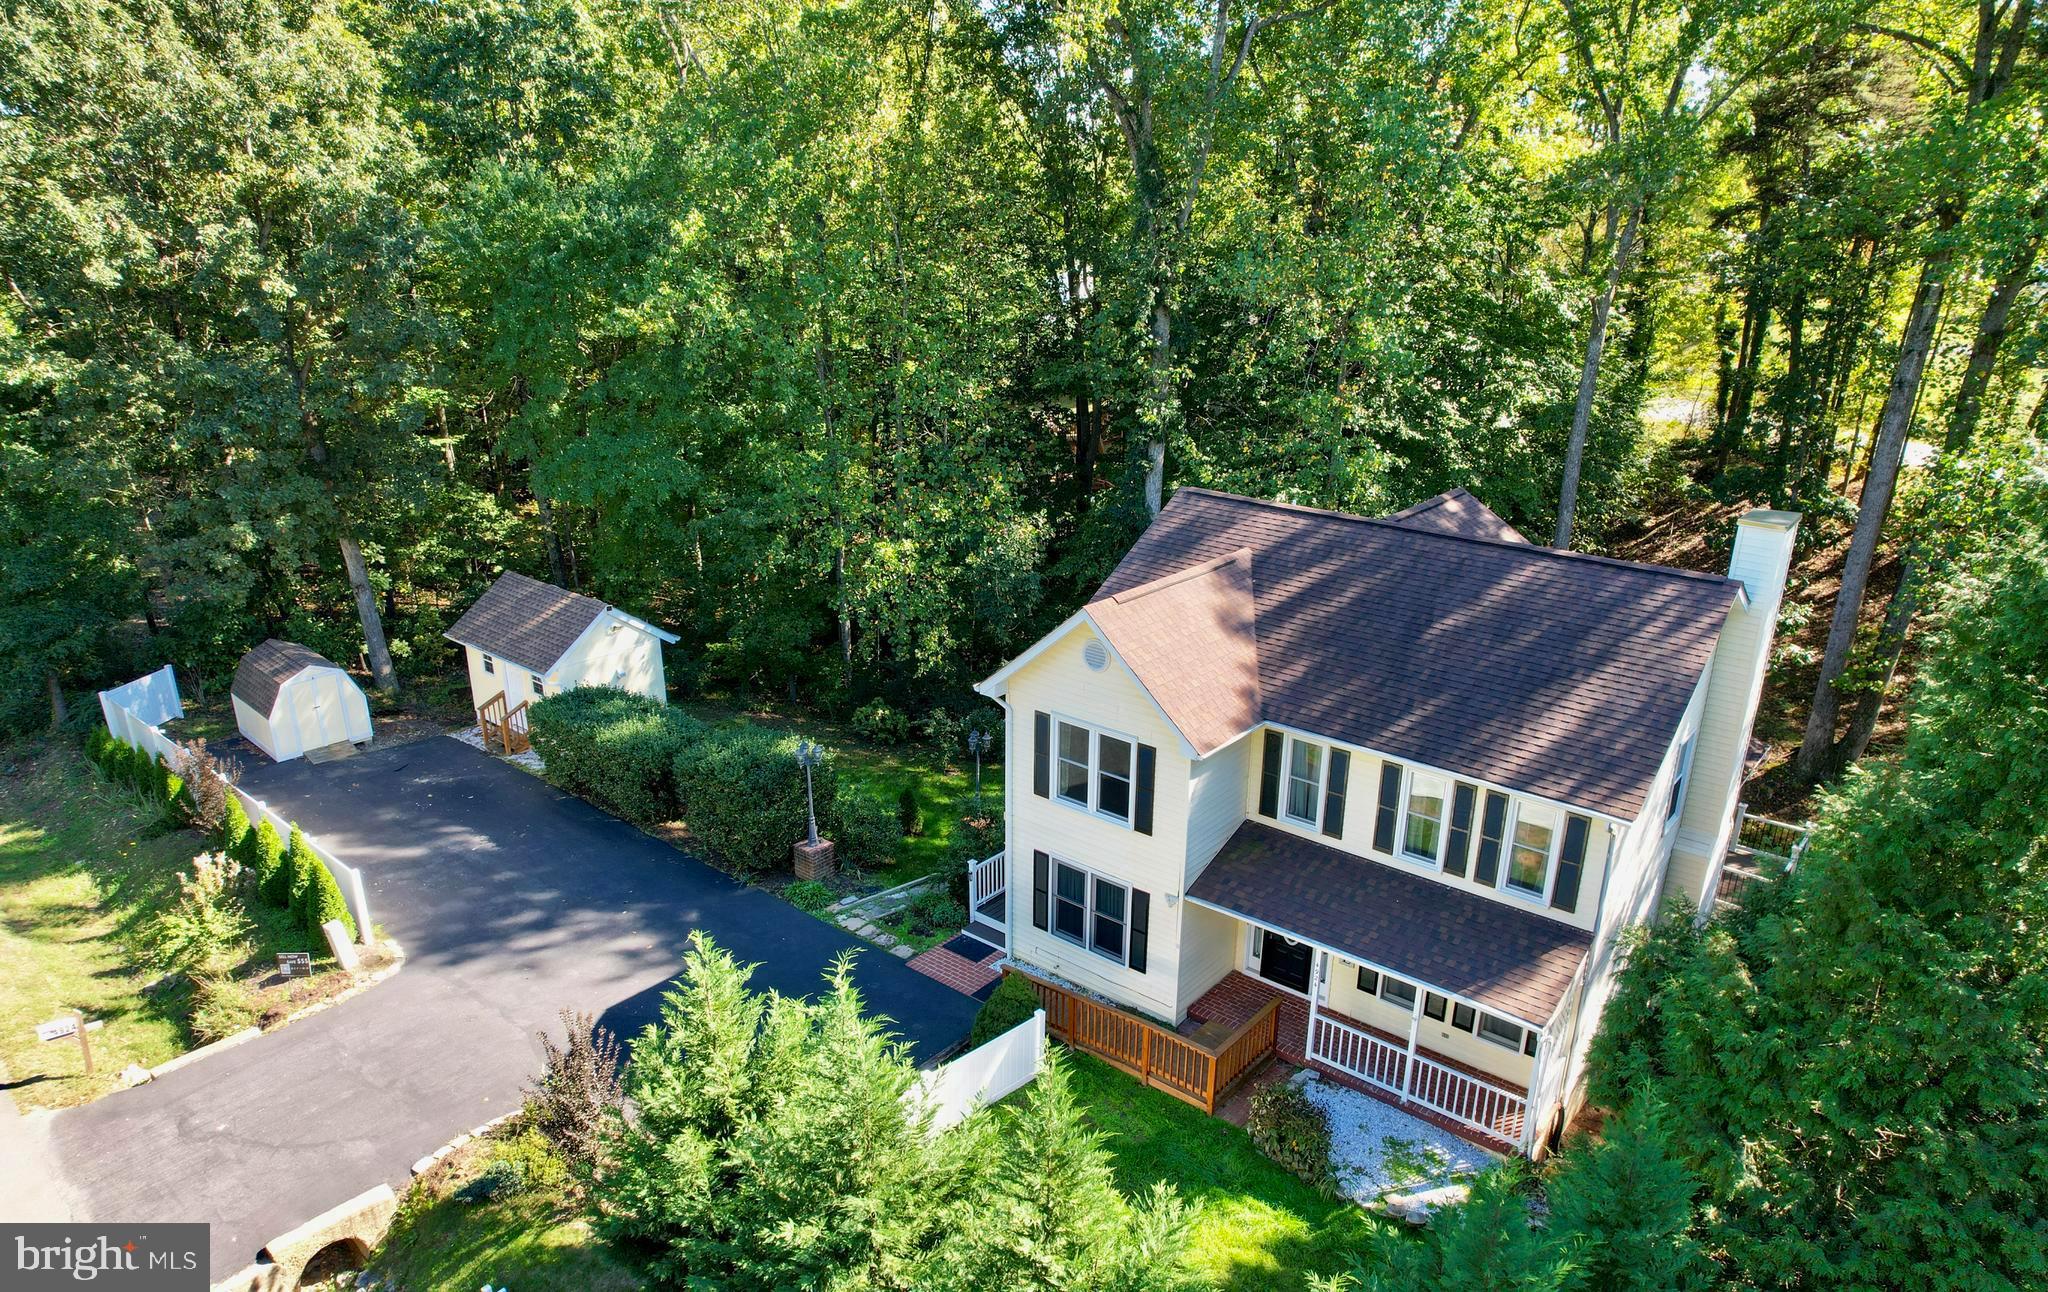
pixel 1202 1075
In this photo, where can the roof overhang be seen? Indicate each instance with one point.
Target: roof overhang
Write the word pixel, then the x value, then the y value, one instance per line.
pixel 996 686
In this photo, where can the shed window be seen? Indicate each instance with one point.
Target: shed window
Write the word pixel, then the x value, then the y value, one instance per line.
pixel 490 665
pixel 1304 780
pixel 1422 836
pixel 540 688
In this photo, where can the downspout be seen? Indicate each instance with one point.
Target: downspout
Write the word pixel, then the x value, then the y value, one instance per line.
pixel 1010 889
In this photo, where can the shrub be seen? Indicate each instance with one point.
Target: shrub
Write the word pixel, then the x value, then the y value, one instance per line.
pixel 324 902
pixel 298 869
pixel 909 813
pixel 932 910
pixel 863 827
pixel 176 806
pixel 744 796
pixel 614 748
pixel 222 1005
pixel 233 828
pixel 206 786
pixel 265 859
pixel 808 895
pixel 200 932
pixel 576 1098
pixel 524 1163
pixel 881 723
pixel 156 783
pixel 1292 1129
pixel 1009 1004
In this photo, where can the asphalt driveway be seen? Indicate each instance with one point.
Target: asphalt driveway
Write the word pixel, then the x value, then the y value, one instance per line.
pixel 513 901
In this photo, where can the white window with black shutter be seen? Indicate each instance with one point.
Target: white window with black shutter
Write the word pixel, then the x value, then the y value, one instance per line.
pixel 1304 781
pixel 1090 910
pixel 1100 772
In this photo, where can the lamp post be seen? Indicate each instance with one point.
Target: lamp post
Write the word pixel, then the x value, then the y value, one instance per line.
pixel 808 755
pixel 977 744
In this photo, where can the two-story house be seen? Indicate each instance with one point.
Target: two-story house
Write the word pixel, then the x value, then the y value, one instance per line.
pixel 1412 774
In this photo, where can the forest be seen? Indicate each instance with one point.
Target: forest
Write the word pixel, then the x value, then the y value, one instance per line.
pixel 854 340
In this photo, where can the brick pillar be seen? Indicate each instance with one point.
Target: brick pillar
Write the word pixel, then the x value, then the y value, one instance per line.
pixel 814 860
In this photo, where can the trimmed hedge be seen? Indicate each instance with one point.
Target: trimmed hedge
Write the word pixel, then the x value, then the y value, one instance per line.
pixel 234 826
pixel 262 855
pixel 862 827
pixel 614 748
pixel 743 796
pixel 1009 1004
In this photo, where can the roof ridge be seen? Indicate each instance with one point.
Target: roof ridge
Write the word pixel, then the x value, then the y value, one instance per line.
pixel 1525 548
pixel 1414 509
pixel 1166 581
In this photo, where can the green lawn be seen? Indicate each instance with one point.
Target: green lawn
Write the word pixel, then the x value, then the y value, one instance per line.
pixel 535 1241
pixel 83 866
pixel 945 788
pixel 1258 1227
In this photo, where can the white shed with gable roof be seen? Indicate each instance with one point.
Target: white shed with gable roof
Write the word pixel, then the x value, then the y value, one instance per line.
pixel 290 698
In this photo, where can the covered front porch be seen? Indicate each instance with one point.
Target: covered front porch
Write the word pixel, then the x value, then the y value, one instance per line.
pixel 1447 1003
pixel 1476 1105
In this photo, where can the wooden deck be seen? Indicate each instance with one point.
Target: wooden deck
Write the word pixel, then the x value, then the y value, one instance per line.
pixel 1201 1070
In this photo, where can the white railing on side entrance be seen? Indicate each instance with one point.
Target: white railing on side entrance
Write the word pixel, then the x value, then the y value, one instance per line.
pixel 1468 1100
pixel 1356 1052
pixel 1459 1096
pixel 987 880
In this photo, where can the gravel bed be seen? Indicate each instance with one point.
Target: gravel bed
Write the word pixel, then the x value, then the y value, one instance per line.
pixel 1375 1147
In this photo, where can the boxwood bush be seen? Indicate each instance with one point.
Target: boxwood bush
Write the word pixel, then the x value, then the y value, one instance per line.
pixel 862 826
pixel 617 749
pixel 743 796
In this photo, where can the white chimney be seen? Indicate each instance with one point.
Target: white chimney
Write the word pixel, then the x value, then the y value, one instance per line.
pixel 1735 681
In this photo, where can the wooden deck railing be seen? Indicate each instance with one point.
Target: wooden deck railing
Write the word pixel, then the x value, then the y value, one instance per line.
pixel 1203 1075
pixel 505 729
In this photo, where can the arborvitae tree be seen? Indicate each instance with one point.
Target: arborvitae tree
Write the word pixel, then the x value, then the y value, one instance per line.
pixel 324 901
pixel 273 877
pixel 234 828
pixel 1055 1219
pixel 298 868
pixel 1622 1208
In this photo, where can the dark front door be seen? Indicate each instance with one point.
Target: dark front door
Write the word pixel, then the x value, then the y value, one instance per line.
pixel 1285 962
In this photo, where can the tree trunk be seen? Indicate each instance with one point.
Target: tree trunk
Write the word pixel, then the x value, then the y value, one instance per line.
pixel 1589 380
pixel 1991 330
pixel 556 570
pixel 381 672
pixel 1792 408
pixel 1162 403
pixel 1886 452
pixel 55 686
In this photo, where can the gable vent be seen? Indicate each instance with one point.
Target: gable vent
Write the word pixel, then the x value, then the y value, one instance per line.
pixel 1095 655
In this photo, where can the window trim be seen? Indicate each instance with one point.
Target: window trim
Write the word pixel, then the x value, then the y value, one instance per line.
pixel 1093 805
pixel 490 664
pixel 1414 991
pixel 1508 846
pixel 1314 820
pixel 1409 775
pixel 1091 884
pixel 1681 781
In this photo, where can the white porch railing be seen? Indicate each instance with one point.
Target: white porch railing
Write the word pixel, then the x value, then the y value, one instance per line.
pixel 1468 1100
pixel 987 880
pixel 1357 1053
pixel 1783 841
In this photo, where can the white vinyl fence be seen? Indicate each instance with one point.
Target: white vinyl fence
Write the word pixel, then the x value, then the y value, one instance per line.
pixel 984 1075
pixel 133 711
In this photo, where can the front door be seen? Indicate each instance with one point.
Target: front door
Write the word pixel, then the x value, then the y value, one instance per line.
pixel 1285 961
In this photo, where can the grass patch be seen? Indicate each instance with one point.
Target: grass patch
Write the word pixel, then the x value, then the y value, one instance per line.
pixel 83 868
pixel 534 1240
pixel 944 787
pixel 1259 1227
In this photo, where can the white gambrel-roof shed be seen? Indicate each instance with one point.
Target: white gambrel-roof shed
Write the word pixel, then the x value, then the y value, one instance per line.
pixel 290 698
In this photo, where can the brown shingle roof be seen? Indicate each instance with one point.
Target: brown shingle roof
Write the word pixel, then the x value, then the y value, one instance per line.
pixel 1189 637
pixel 530 623
pixel 1486 951
pixel 268 667
pixel 1457 512
pixel 1552 672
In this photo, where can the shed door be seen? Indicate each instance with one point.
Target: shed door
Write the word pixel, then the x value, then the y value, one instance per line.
pixel 324 719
